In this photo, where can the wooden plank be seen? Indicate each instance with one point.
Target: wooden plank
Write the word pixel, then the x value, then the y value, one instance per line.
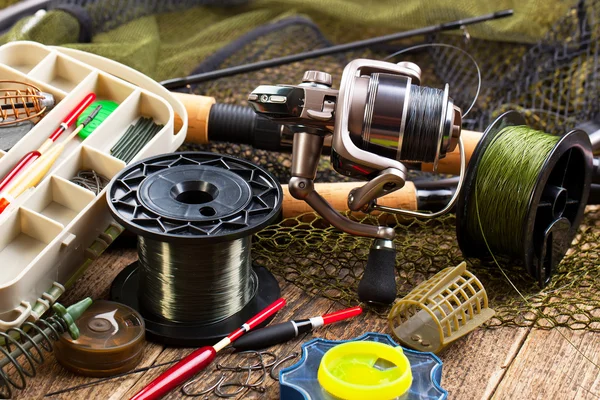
pixel 298 305
pixel 479 358
pixel 475 365
pixel 548 367
pixel 96 284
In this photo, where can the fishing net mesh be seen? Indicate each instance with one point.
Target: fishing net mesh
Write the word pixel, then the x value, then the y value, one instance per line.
pixel 542 62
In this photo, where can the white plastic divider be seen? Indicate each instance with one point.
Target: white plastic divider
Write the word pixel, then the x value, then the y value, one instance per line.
pixel 106 135
pixel 23 56
pixel 11 74
pixel 60 199
pixel 25 234
pixel 86 158
pixel 58 71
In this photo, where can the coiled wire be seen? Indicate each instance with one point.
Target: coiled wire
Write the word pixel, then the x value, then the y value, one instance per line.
pixel 196 282
pixel 422 129
pixel 17 350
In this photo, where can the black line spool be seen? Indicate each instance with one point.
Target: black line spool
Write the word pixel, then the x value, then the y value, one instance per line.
pixel 555 208
pixel 195 213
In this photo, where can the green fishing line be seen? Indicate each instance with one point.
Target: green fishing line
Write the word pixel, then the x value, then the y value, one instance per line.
pixel 506 179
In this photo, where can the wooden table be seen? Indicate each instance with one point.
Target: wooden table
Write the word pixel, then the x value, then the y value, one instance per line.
pixel 503 363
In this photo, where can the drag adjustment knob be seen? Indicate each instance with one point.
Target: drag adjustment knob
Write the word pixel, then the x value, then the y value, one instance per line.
pixel 318 77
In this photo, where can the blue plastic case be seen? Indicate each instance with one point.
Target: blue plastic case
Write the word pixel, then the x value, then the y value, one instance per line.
pixel 299 382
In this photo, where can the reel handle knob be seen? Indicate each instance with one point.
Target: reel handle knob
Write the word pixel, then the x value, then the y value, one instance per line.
pixel 318 77
pixel 378 284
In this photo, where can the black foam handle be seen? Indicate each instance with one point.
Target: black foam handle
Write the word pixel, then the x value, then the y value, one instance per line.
pixel 378 284
pixel 241 125
pixel 266 337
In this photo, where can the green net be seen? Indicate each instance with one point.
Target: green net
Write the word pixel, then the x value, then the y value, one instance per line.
pixel 544 58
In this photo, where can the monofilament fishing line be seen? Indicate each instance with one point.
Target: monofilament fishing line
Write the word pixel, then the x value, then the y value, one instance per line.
pixel 174 279
pixel 194 214
pixel 524 195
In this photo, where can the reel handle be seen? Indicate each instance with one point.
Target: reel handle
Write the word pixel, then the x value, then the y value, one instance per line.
pixel 305 159
pixel 378 284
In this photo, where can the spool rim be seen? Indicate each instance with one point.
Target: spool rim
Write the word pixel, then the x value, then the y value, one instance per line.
pixel 130 210
pixel 572 140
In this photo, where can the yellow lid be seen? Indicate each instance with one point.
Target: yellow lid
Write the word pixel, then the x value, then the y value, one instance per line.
pixel 365 370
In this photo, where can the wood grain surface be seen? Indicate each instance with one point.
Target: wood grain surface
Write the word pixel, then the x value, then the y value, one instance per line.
pixel 502 363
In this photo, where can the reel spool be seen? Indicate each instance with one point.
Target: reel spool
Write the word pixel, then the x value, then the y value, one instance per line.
pixel 554 210
pixel 110 342
pixel 194 214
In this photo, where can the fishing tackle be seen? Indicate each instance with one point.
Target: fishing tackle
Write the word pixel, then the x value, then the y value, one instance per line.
pixel 440 310
pixel 257 385
pixel 301 380
pixel 32 156
pixel 110 342
pixel 18 343
pixel 238 368
pixel 341 48
pixel 32 174
pixel 379 119
pixel 26 102
pixel 202 207
pixel 202 357
pixel 274 373
pixel 90 180
pixel 285 331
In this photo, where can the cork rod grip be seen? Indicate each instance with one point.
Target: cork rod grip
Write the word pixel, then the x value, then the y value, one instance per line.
pixel 198 109
pixel 451 163
pixel 337 195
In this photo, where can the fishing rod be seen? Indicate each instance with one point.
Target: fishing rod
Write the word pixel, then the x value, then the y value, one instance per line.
pixel 177 83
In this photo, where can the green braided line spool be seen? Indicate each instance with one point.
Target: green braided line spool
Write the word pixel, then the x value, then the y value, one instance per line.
pixel 524 195
pixel 108 106
pixel 507 177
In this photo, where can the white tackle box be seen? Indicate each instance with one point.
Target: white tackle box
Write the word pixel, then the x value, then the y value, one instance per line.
pixel 50 234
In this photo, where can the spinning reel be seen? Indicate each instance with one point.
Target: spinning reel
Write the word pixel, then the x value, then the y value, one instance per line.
pixel 379 119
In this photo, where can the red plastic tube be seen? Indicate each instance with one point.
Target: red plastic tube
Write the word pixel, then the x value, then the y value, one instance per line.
pixel 341 315
pixel 200 358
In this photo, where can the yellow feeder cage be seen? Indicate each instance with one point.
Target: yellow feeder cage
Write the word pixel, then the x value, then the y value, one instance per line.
pixel 440 310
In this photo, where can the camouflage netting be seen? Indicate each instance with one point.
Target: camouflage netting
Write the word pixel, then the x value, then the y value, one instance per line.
pixel 542 61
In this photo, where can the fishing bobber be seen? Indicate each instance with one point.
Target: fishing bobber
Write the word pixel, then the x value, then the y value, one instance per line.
pixel 440 310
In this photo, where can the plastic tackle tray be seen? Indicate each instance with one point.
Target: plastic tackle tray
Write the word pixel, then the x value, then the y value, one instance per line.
pixel 50 234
